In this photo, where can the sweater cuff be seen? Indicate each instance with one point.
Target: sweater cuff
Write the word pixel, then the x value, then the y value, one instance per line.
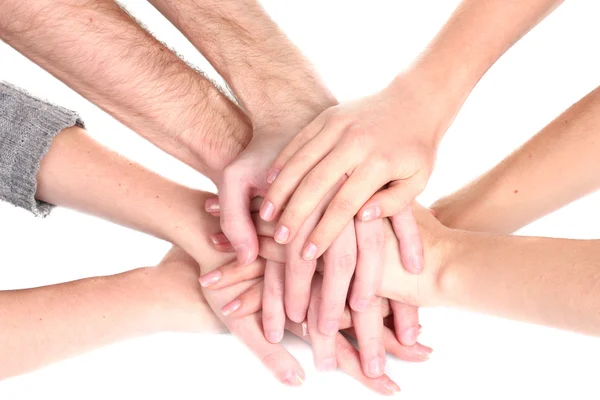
pixel 27 127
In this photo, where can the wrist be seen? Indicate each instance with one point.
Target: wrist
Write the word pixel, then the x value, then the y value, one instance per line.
pixel 457 245
pixel 189 226
pixel 305 104
pixel 214 135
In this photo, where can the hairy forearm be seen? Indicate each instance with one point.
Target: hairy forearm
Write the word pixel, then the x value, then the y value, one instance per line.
pixel 42 325
pixel 557 166
pixel 473 39
pixel 101 52
pixel 268 74
pixel 79 173
pixel 553 282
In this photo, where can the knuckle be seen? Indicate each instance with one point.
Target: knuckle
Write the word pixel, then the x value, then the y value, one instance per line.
pixel 301 267
pixel 271 360
pixel 375 241
pixel 344 263
pixel 342 206
pixel 271 318
pixel 274 290
pixel 345 350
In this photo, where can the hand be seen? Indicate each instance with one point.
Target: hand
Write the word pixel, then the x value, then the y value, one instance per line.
pixel 397 283
pixel 386 145
pixel 248 329
pixel 184 307
pixel 339 266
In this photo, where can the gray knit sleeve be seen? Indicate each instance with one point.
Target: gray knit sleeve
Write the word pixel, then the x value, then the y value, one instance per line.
pixel 27 127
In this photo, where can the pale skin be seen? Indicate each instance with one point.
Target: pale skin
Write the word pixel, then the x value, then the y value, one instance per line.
pixel 123 192
pixel 280 91
pixel 102 53
pixel 386 143
pixel 546 281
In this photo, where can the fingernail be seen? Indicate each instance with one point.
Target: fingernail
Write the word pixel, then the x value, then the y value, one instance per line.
pixel 296 316
pixel 391 386
pixel 242 253
pixel 211 206
pixel 272 176
pixel 219 238
pixel 293 378
pixel 328 364
pixel 281 234
pixel 310 251
pixel 210 279
pixel 330 328
pixel 375 367
pixel 274 337
pixel 417 261
pixel 409 337
pixel 424 352
pixel 230 308
pixel 304 329
pixel 371 213
pixel 361 305
pixel 267 210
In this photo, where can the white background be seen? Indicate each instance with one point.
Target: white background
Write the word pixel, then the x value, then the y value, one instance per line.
pixel 358 46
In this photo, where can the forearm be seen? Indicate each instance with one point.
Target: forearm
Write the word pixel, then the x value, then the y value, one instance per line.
pixel 557 166
pixel 472 40
pixel 42 325
pixel 102 53
pixel 79 173
pixel 268 74
pixel 553 282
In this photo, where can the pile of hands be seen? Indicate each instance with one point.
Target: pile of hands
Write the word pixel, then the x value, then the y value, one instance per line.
pixel 328 239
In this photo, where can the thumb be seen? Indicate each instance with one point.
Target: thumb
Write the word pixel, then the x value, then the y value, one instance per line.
pixel 236 221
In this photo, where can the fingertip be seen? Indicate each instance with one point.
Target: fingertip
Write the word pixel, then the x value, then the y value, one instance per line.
pixel 370 213
pixel 272 175
pixel 212 205
pixel 274 336
pixel 244 255
pixel 231 307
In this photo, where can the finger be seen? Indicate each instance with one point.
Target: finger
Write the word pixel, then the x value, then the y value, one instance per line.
pixel 263 228
pixel 348 360
pixel 245 304
pixel 416 353
pixel 273 315
pixel 221 243
pixel 311 189
pixel 269 249
pixel 304 136
pixel 370 238
pixel 359 187
pixel 396 201
pixel 299 272
pixel 230 274
pixel 406 229
pixel 340 262
pixel 273 356
pixel 213 207
pixel 368 326
pixel 323 345
pixel 235 218
pixel 406 322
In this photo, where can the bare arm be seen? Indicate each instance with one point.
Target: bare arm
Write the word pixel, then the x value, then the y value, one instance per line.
pixel 274 82
pixel 557 166
pixel 42 325
pixel 477 34
pixel 102 53
pixel 552 282
pixel 79 173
